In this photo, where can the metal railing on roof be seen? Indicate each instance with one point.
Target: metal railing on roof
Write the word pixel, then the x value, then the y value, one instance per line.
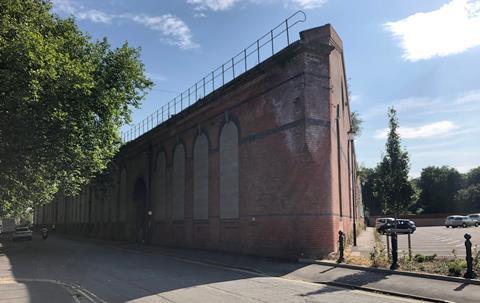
pixel 262 49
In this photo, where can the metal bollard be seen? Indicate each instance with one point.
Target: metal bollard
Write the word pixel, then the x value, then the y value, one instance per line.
pixel 409 247
pixel 394 238
pixel 341 246
pixel 468 246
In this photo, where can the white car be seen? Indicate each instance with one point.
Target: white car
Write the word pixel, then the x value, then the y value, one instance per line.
pixel 459 221
pixel 22 233
pixel 382 221
pixel 475 218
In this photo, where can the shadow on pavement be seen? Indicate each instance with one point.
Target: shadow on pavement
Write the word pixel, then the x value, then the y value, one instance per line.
pixel 461 287
pixel 120 272
pixel 357 279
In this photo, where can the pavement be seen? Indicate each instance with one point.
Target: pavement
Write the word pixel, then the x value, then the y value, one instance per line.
pixel 365 243
pixel 106 271
pixel 33 291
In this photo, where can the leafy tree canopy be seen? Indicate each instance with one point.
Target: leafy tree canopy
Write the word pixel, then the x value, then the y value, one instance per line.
pixel 367 179
pixel 473 176
pixel 392 186
pixel 438 188
pixel 63 99
pixel 468 199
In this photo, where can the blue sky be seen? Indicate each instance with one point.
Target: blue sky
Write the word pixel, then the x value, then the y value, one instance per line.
pixel 423 57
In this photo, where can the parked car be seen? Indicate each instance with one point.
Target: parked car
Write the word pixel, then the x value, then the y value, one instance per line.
pixel 381 221
pixel 475 218
pixel 401 226
pixel 459 221
pixel 22 233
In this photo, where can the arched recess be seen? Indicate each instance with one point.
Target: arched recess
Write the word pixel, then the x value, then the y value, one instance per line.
pixel 123 196
pixel 229 172
pixel 200 178
pixel 178 207
pixel 159 204
pixel 140 201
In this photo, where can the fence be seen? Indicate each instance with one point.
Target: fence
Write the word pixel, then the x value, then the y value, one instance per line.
pixel 262 49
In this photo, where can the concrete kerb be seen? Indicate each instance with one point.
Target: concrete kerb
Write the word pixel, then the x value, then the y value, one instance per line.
pixel 385 292
pixel 393 272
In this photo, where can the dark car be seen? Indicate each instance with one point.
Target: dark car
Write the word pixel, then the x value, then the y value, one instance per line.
pixel 22 233
pixel 401 227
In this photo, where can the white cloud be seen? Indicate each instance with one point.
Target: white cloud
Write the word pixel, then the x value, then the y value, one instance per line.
pixel 354 98
pixel 174 31
pixel 421 132
pixel 469 97
pixel 94 16
pixel 155 77
pixel 77 10
pixel 309 4
pixel 466 102
pixel 214 5
pixel 451 29
pixel 222 5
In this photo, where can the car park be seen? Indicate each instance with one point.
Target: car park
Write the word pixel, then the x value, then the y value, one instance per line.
pixel 400 226
pixel 459 221
pixel 22 233
pixel 475 218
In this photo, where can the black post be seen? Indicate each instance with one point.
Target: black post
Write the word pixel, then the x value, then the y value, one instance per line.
pixel 341 246
pixel 409 246
pixel 394 238
pixel 468 246
pixel 388 245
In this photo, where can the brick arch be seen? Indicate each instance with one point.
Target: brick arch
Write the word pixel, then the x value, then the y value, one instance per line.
pixel 159 186
pixel 229 118
pixel 200 176
pixel 229 170
pixel 123 194
pixel 160 151
pixel 178 181
pixel 139 198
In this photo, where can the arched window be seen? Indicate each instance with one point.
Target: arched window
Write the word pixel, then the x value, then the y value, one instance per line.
pixel 159 187
pixel 229 170
pixel 123 195
pixel 200 178
pixel 178 182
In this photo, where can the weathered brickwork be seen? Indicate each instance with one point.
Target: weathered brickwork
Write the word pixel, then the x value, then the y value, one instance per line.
pixel 273 153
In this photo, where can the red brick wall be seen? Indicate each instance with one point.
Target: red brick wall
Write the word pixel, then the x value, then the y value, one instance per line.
pixel 288 164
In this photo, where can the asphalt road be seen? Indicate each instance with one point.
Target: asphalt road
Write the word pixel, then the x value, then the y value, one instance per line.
pixel 439 240
pixel 114 274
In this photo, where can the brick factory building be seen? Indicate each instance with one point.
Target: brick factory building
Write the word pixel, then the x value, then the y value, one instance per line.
pixel 262 165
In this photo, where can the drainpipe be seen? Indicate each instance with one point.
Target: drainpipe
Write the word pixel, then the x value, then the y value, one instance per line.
pixel 353 178
pixel 339 160
pixel 148 221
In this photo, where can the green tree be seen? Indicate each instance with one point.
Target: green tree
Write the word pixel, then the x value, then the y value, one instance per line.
pixel 392 186
pixel 473 176
pixel 439 186
pixel 468 199
pixel 63 99
pixel 367 179
pixel 356 126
